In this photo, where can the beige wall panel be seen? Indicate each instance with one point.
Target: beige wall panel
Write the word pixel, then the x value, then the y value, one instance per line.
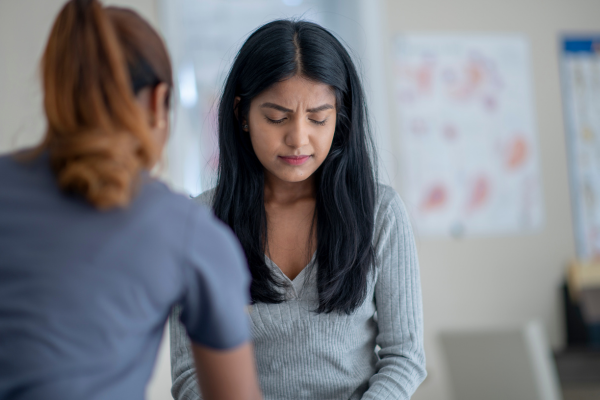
pixel 501 281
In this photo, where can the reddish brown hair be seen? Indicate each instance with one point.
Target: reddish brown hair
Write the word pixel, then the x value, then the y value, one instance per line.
pixel 95 62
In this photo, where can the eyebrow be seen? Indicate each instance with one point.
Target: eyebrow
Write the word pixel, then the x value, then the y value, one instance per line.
pixel 283 109
pixel 320 108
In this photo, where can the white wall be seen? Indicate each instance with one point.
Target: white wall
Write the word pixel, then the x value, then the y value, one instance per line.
pixel 505 280
pixel 24 27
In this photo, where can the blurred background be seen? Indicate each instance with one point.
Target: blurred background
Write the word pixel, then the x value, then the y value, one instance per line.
pixel 486 115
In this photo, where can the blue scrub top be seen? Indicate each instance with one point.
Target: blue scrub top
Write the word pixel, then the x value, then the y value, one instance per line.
pixel 84 294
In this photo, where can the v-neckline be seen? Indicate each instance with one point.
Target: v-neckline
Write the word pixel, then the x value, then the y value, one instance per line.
pixel 300 277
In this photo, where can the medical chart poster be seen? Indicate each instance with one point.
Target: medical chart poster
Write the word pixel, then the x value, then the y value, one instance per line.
pixel 581 100
pixel 467 134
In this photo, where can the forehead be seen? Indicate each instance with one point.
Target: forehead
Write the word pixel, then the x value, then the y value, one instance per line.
pixel 298 91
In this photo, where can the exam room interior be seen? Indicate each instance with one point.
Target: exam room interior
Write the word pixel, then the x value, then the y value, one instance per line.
pixel 469 283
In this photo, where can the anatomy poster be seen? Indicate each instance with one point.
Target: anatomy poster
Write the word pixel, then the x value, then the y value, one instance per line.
pixel 581 89
pixel 467 134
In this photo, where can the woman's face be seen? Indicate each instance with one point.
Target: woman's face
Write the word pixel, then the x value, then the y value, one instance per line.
pixel 291 127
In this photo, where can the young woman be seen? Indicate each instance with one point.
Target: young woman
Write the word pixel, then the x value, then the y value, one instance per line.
pixel 335 281
pixel 93 252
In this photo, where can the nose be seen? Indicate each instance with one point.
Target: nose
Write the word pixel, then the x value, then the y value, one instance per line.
pixel 297 136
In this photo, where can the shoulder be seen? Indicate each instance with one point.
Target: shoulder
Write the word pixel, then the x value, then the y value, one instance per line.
pixel 390 213
pixel 8 165
pixel 6 159
pixel 206 198
pixel 24 161
pixel 211 244
pixel 27 174
pixel 205 226
pixel 389 204
pixel 157 199
pixel 205 236
pixel 10 159
pixel 156 192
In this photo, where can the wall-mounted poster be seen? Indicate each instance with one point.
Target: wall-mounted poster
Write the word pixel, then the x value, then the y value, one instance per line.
pixel 581 92
pixel 467 134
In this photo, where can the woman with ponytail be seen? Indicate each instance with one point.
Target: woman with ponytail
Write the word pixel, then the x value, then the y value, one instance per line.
pixel 94 253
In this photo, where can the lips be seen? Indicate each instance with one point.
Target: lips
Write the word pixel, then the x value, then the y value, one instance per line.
pixel 294 160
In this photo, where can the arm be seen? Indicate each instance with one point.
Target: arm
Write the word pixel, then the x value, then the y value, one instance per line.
pixel 183 368
pixel 401 365
pixel 227 375
pixel 223 374
pixel 210 335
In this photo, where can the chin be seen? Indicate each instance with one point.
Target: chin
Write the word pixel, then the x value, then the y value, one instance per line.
pixel 295 178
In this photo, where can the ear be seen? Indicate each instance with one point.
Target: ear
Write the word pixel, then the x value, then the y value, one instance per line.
pixel 158 103
pixel 160 111
pixel 236 102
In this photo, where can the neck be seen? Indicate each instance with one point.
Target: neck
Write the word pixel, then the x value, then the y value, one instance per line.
pixel 282 192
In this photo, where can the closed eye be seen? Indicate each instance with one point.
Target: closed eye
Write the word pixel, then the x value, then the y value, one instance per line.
pixel 319 122
pixel 274 121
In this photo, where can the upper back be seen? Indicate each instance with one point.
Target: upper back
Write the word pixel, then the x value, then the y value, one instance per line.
pixel 83 293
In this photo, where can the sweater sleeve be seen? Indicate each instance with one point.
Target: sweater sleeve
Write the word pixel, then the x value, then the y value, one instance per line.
pixel 401 365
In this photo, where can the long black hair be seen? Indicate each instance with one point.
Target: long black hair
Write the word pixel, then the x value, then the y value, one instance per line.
pixel 345 182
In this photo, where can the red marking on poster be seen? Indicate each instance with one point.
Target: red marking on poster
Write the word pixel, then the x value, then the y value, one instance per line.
pixel 435 198
pixel 517 154
pixel 479 195
pixel 450 132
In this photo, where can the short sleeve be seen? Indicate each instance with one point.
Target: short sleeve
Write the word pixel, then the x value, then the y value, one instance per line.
pixel 216 284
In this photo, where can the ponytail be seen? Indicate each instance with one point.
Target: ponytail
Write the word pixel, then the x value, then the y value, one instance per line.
pixel 97 136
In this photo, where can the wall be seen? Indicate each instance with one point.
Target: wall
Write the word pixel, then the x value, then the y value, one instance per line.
pixel 24 27
pixel 501 281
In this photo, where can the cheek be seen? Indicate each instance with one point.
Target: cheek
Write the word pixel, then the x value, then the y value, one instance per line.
pixel 323 141
pixel 264 142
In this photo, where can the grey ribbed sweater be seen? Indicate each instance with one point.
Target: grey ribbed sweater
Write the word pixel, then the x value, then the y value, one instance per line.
pixel 374 353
